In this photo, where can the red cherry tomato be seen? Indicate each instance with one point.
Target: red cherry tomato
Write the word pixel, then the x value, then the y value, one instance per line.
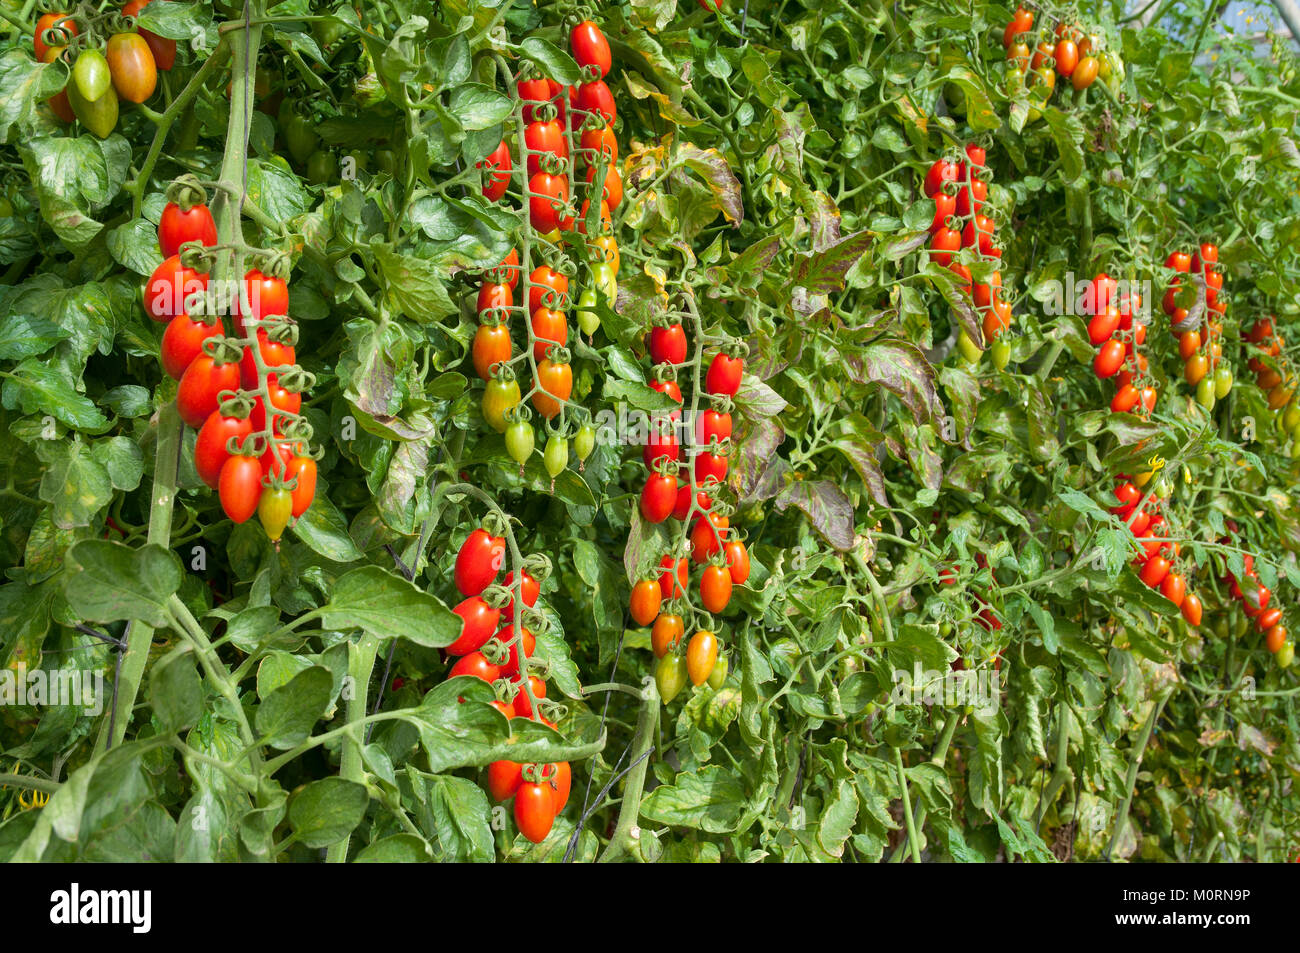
pixel 177 227
pixel 201 386
pixel 168 287
pixel 478 561
pixel 210 453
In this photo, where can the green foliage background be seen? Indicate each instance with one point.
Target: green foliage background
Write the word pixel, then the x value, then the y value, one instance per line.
pixel 773 157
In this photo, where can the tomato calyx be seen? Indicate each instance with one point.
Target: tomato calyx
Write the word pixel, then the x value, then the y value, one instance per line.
pixel 185 192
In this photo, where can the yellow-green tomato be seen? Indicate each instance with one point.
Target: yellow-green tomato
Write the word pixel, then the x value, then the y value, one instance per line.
pixel 968 348
pixel 1286 654
pixel 1001 351
pixel 605 279
pixel 520 441
pixel 1205 393
pixel 556 456
pixel 719 673
pixel 588 319
pixel 670 676
pixel 584 441
pixel 1222 382
pixel 499 397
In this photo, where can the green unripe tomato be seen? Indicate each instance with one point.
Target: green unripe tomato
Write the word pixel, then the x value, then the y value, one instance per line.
pixel 99 115
pixel 956 99
pixel 719 673
pixel 1222 382
pixel 386 160
pixel 520 441
pixel 300 136
pixel 321 167
pixel 670 676
pixel 1205 393
pixel 498 397
pixel 1286 654
pixel 968 349
pixel 1291 416
pixel 606 281
pixel 588 319
pixel 92 75
pixel 556 456
pixel 1001 352
pixel 584 441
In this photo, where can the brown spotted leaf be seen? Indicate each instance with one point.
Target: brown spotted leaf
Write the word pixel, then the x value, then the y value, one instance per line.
pixel 823 272
pixel 828 509
pixel 712 167
pixel 901 369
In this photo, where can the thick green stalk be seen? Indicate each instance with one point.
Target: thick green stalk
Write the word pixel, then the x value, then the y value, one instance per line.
pixel 913 840
pixel 139 637
pixel 940 756
pixel 624 840
pixel 1135 762
pixel 361 665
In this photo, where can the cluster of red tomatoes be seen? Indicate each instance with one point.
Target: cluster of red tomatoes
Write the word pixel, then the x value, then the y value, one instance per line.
pixel 250 445
pixel 1155 564
pixel 1069 53
pixel 960 190
pixel 713 545
pixel 1268 345
pixel 490 648
pixel 1199 339
pixel 547 144
pixel 1117 337
pixel 1254 599
pixel 126 68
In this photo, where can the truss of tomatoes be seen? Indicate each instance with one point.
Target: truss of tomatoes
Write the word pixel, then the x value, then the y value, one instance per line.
pixel 549 146
pixel 1068 52
pixel 126 68
pixel 1200 338
pixel 489 649
pixel 714 547
pixel 1255 597
pixel 1275 375
pixel 251 446
pixel 959 189
pixel 1119 336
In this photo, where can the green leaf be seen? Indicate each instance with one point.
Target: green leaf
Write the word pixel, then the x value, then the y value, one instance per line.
pixel 479 107
pixel 710 799
pixel 175 21
pixel 34 387
pixel 108 582
pixel 396 849
pixel 175 691
pixel 23 84
pixel 286 717
pixel 384 604
pixel 554 62
pixel 325 530
pixel 26 335
pixel 326 811
pixel 640 396
pixel 413 286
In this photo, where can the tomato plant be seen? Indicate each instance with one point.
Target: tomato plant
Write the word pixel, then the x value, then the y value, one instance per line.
pixel 609 387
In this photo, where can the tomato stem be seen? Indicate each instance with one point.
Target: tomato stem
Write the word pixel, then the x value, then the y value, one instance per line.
pixel 913 841
pixel 623 839
pixel 139 636
pixel 361 665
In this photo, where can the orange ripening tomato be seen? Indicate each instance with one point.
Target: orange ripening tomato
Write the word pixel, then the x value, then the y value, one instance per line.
pixel 645 602
pixel 132 66
pixel 556 383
